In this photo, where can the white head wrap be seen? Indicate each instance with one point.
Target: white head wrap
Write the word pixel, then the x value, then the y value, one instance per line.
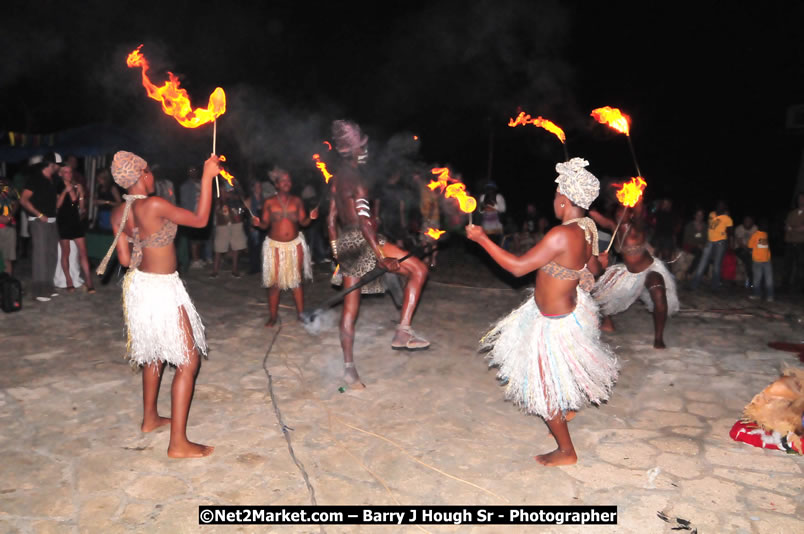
pixel 576 183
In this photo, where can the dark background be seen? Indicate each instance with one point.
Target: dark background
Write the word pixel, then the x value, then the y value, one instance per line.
pixel 707 85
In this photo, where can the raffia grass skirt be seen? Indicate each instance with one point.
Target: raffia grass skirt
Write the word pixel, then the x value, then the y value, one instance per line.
pixel 618 288
pixel 151 306
pixel 288 275
pixel 552 365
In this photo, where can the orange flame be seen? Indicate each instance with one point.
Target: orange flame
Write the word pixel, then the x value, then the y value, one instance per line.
pixel 629 193
pixel 174 99
pixel 435 233
pixel 322 167
pixel 337 268
pixel 452 188
pixel 523 119
pixel 329 145
pixel 614 118
pixel 226 176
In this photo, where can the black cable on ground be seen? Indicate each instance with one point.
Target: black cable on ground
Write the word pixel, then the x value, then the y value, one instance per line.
pixel 282 425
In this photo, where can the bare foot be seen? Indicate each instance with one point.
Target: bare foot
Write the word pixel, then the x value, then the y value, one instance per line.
pixel 188 449
pixel 152 424
pixel 270 322
pixel 658 344
pixel 557 457
pixel 607 325
pixel 353 379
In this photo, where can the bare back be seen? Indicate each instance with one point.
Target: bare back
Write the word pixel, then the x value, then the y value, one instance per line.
pixel 556 296
pixel 143 217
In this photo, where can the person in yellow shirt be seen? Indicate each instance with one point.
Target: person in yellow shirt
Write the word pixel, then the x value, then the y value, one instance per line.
pixel 721 228
pixel 761 260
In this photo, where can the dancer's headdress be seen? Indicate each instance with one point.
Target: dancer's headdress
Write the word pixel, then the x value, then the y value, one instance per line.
pixel 576 183
pixel 348 137
pixel 127 168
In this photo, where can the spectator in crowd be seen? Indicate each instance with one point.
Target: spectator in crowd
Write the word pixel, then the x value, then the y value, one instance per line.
pixel 664 231
pixel 391 206
pixel 742 234
pixel 254 234
pixel 163 187
pixel 189 193
pixel 78 178
pixel 70 212
pixel 794 247
pixel 23 235
pixel 311 198
pixel 492 209
pixel 230 234
pixel 107 197
pixel 39 200
pixel 719 236
pixel 9 205
pixel 429 212
pixel 694 239
pixel 761 261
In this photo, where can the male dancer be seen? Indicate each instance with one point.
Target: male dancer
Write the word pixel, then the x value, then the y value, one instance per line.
pixel 358 249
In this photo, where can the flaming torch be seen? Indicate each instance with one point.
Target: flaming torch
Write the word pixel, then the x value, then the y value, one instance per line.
pixel 435 233
pixel 619 121
pixel 452 188
pixel 176 102
pixel 523 118
pixel 321 166
pixel 628 195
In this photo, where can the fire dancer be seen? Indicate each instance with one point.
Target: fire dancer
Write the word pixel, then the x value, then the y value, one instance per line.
pixel 285 255
pixel 162 323
pixel 549 349
pixel 358 249
pixel 640 276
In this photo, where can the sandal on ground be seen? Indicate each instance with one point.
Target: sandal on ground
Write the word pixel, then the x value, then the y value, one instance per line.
pixel 413 343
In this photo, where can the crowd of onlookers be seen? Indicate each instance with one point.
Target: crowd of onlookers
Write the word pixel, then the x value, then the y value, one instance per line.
pixel 44 212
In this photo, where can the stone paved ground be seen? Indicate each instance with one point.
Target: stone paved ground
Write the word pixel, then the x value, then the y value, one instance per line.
pixel 431 428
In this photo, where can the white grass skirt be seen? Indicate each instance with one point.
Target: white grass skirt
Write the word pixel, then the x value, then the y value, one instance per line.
pixel 151 306
pixel 552 365
pixel 618 288
pixel 288 275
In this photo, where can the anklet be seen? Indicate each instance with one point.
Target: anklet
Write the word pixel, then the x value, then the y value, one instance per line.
pixel 349 365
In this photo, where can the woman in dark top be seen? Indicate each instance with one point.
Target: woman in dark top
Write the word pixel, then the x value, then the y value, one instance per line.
pixel 70 206
pixel 107 197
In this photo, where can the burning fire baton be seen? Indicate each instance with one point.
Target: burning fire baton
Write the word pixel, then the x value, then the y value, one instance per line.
pixel 523 118
pixel 619 121
pixel 311 319
pixel 628 195
pixel 230 179
pixel 452 188
pixel 176 102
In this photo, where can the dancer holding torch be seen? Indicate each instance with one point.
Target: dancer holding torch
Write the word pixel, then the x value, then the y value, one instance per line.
pixel 358 249
pixel 163 325
pixel 640 276
pixel 549 349
pixel 285 255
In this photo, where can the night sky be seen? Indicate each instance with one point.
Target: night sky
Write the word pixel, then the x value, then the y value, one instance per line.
pixel 707 86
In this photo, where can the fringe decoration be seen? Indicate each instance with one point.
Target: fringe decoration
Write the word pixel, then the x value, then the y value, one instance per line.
pixel 288 276
pixel 618 288
pixel 129 201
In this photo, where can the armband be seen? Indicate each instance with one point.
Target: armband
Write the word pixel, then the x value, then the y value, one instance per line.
pixel 362 207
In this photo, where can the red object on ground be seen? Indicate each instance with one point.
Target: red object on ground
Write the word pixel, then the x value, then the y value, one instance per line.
pixel 728 268
pixel 751 433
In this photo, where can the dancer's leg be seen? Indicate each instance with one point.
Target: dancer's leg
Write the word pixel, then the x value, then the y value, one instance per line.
pixel 351 307
pixel 658 294
pixel 181 396
pixel 151 380
pixel 565 453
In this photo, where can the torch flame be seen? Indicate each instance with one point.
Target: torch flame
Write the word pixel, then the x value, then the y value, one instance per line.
pixel 452 188
pixel 329 145
pixel 630 192
pixel 614 118
pixel 322 167
pixel 174 99
pixel 523 119
pixel 435 233
pixel 226 176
